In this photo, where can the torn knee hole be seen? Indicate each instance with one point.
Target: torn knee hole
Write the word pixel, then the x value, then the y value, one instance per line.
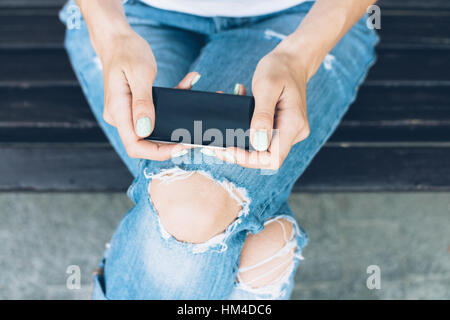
pixel 266 257
pixel 192 207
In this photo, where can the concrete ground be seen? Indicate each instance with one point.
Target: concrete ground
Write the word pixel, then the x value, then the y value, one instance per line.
pixel 406 235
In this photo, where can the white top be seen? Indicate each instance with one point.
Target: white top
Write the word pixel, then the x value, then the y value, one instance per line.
pixel 224 8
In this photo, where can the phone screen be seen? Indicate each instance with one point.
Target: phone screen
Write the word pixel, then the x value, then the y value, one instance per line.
pixel 202 118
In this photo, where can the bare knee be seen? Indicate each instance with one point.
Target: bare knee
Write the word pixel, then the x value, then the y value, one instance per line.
pixel 193 208
pixel 263 257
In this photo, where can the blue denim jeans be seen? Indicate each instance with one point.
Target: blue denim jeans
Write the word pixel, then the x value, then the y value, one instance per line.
pixel 143 261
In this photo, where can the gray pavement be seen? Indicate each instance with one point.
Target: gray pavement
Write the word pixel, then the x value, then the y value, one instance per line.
pixel 407 235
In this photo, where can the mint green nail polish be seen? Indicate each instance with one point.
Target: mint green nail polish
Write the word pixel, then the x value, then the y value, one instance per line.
pixel 260 140
pixel 143 127
pixel 195 80
pixel 237 87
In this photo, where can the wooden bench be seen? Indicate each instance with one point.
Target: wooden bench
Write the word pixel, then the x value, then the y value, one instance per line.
pixel 395 137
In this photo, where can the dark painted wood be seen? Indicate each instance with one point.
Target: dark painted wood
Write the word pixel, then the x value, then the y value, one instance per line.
pixel 22 30
pixel 61 168
pixel 380 114
pixel 31 3
pixel 410 4
pixel 417 29
pixel 30 66
pixel 399 28
pixel 378 169
pixel 395 137
pixel 411 65
pixel 414 4
pixel 98 168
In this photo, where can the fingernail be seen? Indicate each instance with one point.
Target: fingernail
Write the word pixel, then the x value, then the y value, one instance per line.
pixel 195 80
pixel 237 87
pixel 229 157
pixel 143 127
pixel 260 140
pixel 180 153
pixel 207 152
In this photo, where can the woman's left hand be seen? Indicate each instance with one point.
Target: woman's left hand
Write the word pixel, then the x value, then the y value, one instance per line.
pixel 280 118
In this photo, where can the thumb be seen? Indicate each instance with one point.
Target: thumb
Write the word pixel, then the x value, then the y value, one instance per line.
pixel 142 106
pixel 262 121
pixel 143 114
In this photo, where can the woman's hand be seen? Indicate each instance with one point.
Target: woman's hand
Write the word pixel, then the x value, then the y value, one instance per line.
pixel 280 117
pixel 279 82
pixel 129 69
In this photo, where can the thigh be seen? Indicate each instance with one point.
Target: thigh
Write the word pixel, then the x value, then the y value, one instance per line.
pixel 174 50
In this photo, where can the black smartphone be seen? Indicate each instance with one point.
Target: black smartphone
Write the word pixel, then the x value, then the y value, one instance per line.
pixel 202 118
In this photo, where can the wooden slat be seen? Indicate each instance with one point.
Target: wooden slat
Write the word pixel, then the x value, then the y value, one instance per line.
pixel 399 28
pixel 380 114
pixel 422 4
pixel 47 114
pixel 383 113
pixel 26 67
pixel 415 29
pixel 31 3
pixel 31 31
pixel 378 169
pixel 97 168
pixel 395 137
pixel 383 133
pixel 411 65
pixel 414 4
pixel 61 168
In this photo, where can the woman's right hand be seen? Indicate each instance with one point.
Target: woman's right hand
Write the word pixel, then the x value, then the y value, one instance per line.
pixel 129 69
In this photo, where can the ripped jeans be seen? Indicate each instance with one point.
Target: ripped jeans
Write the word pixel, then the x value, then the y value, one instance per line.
pixel 144 259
